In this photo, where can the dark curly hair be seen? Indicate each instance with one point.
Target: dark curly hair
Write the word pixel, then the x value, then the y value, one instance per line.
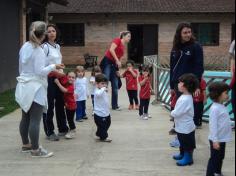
pixel 216 89
pixel 191 82
pixel 101 78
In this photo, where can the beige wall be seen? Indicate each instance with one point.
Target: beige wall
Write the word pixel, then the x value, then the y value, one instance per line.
pixel 101 29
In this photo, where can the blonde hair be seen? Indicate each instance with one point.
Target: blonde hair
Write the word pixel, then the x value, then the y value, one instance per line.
pixel 36 32
pixel 80 69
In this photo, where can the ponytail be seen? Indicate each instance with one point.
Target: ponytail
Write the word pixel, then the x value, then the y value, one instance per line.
pixel 37 31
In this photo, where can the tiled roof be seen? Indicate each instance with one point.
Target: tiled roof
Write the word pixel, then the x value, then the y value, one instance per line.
pixel 146 6
pixel 61 2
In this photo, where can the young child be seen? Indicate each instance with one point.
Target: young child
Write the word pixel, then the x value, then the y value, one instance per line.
pixel 96 71
pixel 145 93
pixel 102 116
pixel 198 102
pixel 131 85
pixel 81 93
pixel 220 127
pixel 183 118
pixel 66 85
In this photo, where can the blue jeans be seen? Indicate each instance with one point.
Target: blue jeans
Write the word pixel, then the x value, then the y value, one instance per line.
pixel 80 110
pixel 110 69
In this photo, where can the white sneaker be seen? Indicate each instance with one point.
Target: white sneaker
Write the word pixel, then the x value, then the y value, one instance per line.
pixel 69 135
pixel 145 117
pixel 41 153
pixel 148 115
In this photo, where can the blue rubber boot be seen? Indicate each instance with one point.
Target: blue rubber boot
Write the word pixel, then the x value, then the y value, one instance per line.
pixel 178 156
pixel 187 159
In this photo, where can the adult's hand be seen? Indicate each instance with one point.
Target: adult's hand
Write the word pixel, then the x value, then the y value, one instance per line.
pixel 60 66
pixel 118 63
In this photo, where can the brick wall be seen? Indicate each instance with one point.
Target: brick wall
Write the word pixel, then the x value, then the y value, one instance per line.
pixel 101 29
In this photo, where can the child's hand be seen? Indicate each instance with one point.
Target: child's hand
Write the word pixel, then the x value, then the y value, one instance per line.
pixel 216 145
pixel 56 81
pixel 118 74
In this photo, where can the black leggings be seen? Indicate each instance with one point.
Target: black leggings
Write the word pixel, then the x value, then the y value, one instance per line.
pixel 133 97
pixel 216 160
pixel 103 124
pixel 70 114
pixel 144 105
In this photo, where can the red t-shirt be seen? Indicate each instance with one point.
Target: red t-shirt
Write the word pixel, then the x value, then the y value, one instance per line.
pixel 232 83
pixel 119 50
pixel 173 99
pixel 203 86
pixel 131 81
pixel 69 98
pixel 145 92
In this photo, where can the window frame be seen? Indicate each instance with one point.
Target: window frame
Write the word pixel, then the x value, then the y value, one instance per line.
pixel 214 36
pixel 73 29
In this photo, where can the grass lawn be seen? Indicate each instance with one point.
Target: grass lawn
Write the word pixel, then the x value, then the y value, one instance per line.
pixel 7 100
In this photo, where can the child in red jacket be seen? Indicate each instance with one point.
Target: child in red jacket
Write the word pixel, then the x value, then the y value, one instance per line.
pixel 145 92
pixel 131 85
pixel 66 85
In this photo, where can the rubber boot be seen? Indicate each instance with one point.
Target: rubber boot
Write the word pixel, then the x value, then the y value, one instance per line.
pixel 186 160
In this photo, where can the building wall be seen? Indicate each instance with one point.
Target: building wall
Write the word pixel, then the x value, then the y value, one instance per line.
pixel 101 29
pixel 9 37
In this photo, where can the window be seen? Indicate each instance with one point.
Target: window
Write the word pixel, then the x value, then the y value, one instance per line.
pixel 207 34
pixel 71 34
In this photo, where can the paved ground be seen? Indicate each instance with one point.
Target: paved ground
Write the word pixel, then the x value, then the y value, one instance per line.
pixel 139 148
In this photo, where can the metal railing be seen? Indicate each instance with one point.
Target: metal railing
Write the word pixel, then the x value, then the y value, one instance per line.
pixel 161 82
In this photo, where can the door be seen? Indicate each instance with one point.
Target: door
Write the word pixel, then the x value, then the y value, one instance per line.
pixel 143 42
pixel 150 39
pixel 135 48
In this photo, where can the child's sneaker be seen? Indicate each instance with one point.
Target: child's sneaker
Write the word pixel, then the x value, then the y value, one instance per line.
pixel 106 140
pixel 85 118
pixel 149 116
pixel 69 135
pixel 145 117
pixel 26 149
pixel 175 143
pixel 53 137
pixel 41 153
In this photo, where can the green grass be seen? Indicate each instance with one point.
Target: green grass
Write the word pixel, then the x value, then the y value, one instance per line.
pixel 7 100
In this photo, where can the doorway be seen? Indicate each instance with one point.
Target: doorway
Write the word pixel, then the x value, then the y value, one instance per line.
pixel 144 41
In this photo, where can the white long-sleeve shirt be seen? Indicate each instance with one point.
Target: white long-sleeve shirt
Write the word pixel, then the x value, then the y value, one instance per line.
pixel 53 53
pixel 183 115
pixel 101 102
pixel 92 85
pixel 32 82
pixel 219 124
pixel 81 89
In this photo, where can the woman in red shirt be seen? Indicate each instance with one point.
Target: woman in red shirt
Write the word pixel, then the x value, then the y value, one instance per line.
pixel 112 62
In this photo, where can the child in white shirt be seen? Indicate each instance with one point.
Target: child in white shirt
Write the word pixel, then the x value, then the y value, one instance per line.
pixel 220 127
pixel 96 71
pixel 81 94
pixel 183 117
pixel 102 116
